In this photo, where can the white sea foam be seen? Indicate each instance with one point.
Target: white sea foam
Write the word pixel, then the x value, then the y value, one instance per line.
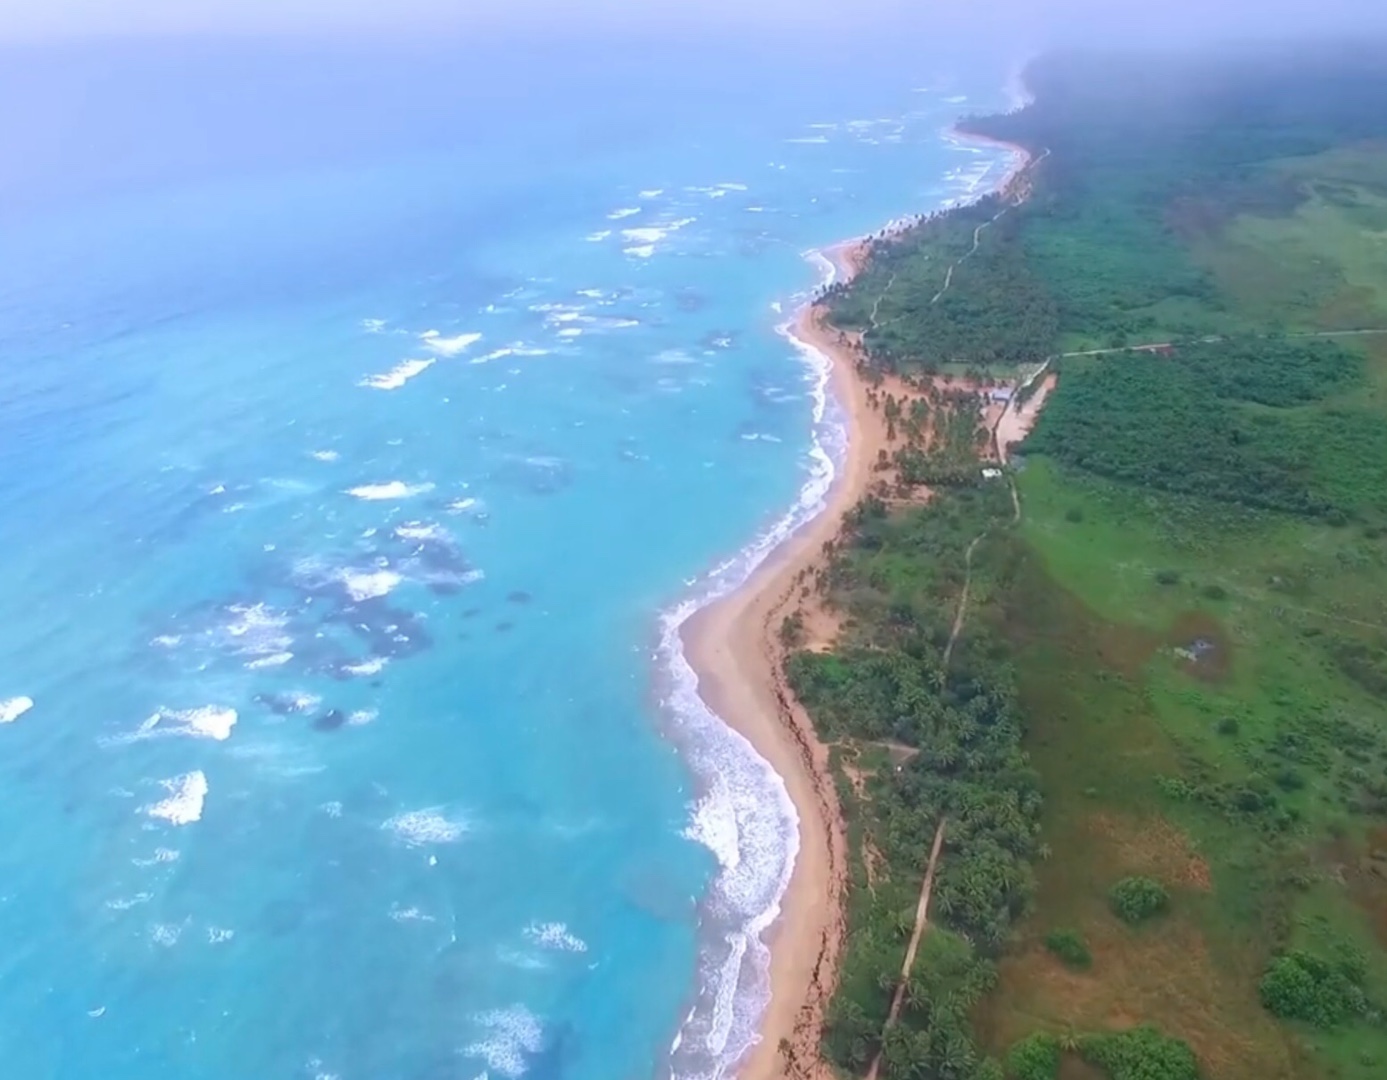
pixel 556 936
pixel 324 455
pixel 642 251
pixel 373 326
pixel 571 332
pixel 625 212
pixel 204 722
pixel 11 709
pixel 183 806
pixel 125 903
pixel 368 584
pixel 217 935
pixel 652 193
pixel 166 934
pixel 361 718
pixel 448 346
pixel 161 855
pixel 744 814
pixel 809 139
pixel 393 489
pixel 397 376
pixel 372 665
pixel 459 506
pixel 599 236
pixel 410 914
pixel 428 826
pixel 273 660
pixel 733 187
pixel 421 530
pixel 332 809
pixel 510 1035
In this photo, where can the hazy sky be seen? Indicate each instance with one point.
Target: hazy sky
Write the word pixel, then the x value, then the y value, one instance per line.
pixel 1087 19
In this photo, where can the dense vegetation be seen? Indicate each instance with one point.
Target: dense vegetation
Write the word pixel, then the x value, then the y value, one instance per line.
pixel 1229 420
pixel 1136 899
pixel 1167 695
pixel 885 684
pixel 927 298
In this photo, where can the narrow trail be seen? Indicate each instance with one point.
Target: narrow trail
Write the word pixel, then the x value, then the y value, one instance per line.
pixel 877 306
pixel 1214 339
pixel 977 239
pixel 921 922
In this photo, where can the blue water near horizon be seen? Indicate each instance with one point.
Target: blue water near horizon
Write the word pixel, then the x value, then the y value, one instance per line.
pixel 363 433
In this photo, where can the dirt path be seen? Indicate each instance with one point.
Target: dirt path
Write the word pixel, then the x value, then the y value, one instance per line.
pixel 977 239
pixel 921 922
pixel 877 306
pixel 1214 339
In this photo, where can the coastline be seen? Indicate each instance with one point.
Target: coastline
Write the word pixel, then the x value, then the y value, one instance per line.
pixel 734 650
pixel 734 647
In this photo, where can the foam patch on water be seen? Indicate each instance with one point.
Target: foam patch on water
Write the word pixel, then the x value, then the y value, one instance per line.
pixel 397 376
pixel 556 936
pixel 362 717
pixel 11 709
pixel 428 826
pixel 273 660
pixel 372 665
pixel 204 722
pixel 511 1035
pixel 187 793
pixel 624 212
pixel 410 914
pixel 324 455
pixel 448 346
pixel 599 236
pixel 392 489
pixel 422 531
pixel 257 630
pixel 368 584
pixel 161 855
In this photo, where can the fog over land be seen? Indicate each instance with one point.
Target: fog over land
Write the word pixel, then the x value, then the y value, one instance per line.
pixel 1037 21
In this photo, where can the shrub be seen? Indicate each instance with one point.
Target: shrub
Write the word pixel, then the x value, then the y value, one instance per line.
pixel 1134 899
pixel 1299 986
pixel 1074 515
pixel 1167 577
pixel 1036 1057
pixel 1140 1053
pixel 1069 946
pixel 1228 725
pixel 1214 592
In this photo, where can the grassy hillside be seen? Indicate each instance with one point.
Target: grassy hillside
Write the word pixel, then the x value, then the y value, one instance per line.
pixel 1162 726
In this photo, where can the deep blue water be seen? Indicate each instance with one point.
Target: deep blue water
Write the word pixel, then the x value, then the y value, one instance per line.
pixel 364 416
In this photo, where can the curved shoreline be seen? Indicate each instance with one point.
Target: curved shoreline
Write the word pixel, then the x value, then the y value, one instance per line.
pixel 733 650
pixel 733 646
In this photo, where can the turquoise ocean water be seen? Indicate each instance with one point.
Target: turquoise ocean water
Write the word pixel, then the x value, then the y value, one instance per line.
pixel 367 423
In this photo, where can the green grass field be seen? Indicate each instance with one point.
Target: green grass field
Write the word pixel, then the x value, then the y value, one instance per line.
pixel 1205 688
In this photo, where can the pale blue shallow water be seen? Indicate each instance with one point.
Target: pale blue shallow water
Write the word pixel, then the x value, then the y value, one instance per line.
pixel 346 754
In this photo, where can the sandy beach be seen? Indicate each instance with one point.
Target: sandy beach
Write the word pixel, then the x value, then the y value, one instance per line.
pixel 734 646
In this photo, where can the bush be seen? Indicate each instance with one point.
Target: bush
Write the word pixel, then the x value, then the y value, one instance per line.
pixel 1299 986
pixel 1167 577
pixel 1134 899
pixel 1228 725
pixel 1214 592
pixel 1069 946
pixel 1141 1053
pixel 1074 515
pixel 1036 1057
